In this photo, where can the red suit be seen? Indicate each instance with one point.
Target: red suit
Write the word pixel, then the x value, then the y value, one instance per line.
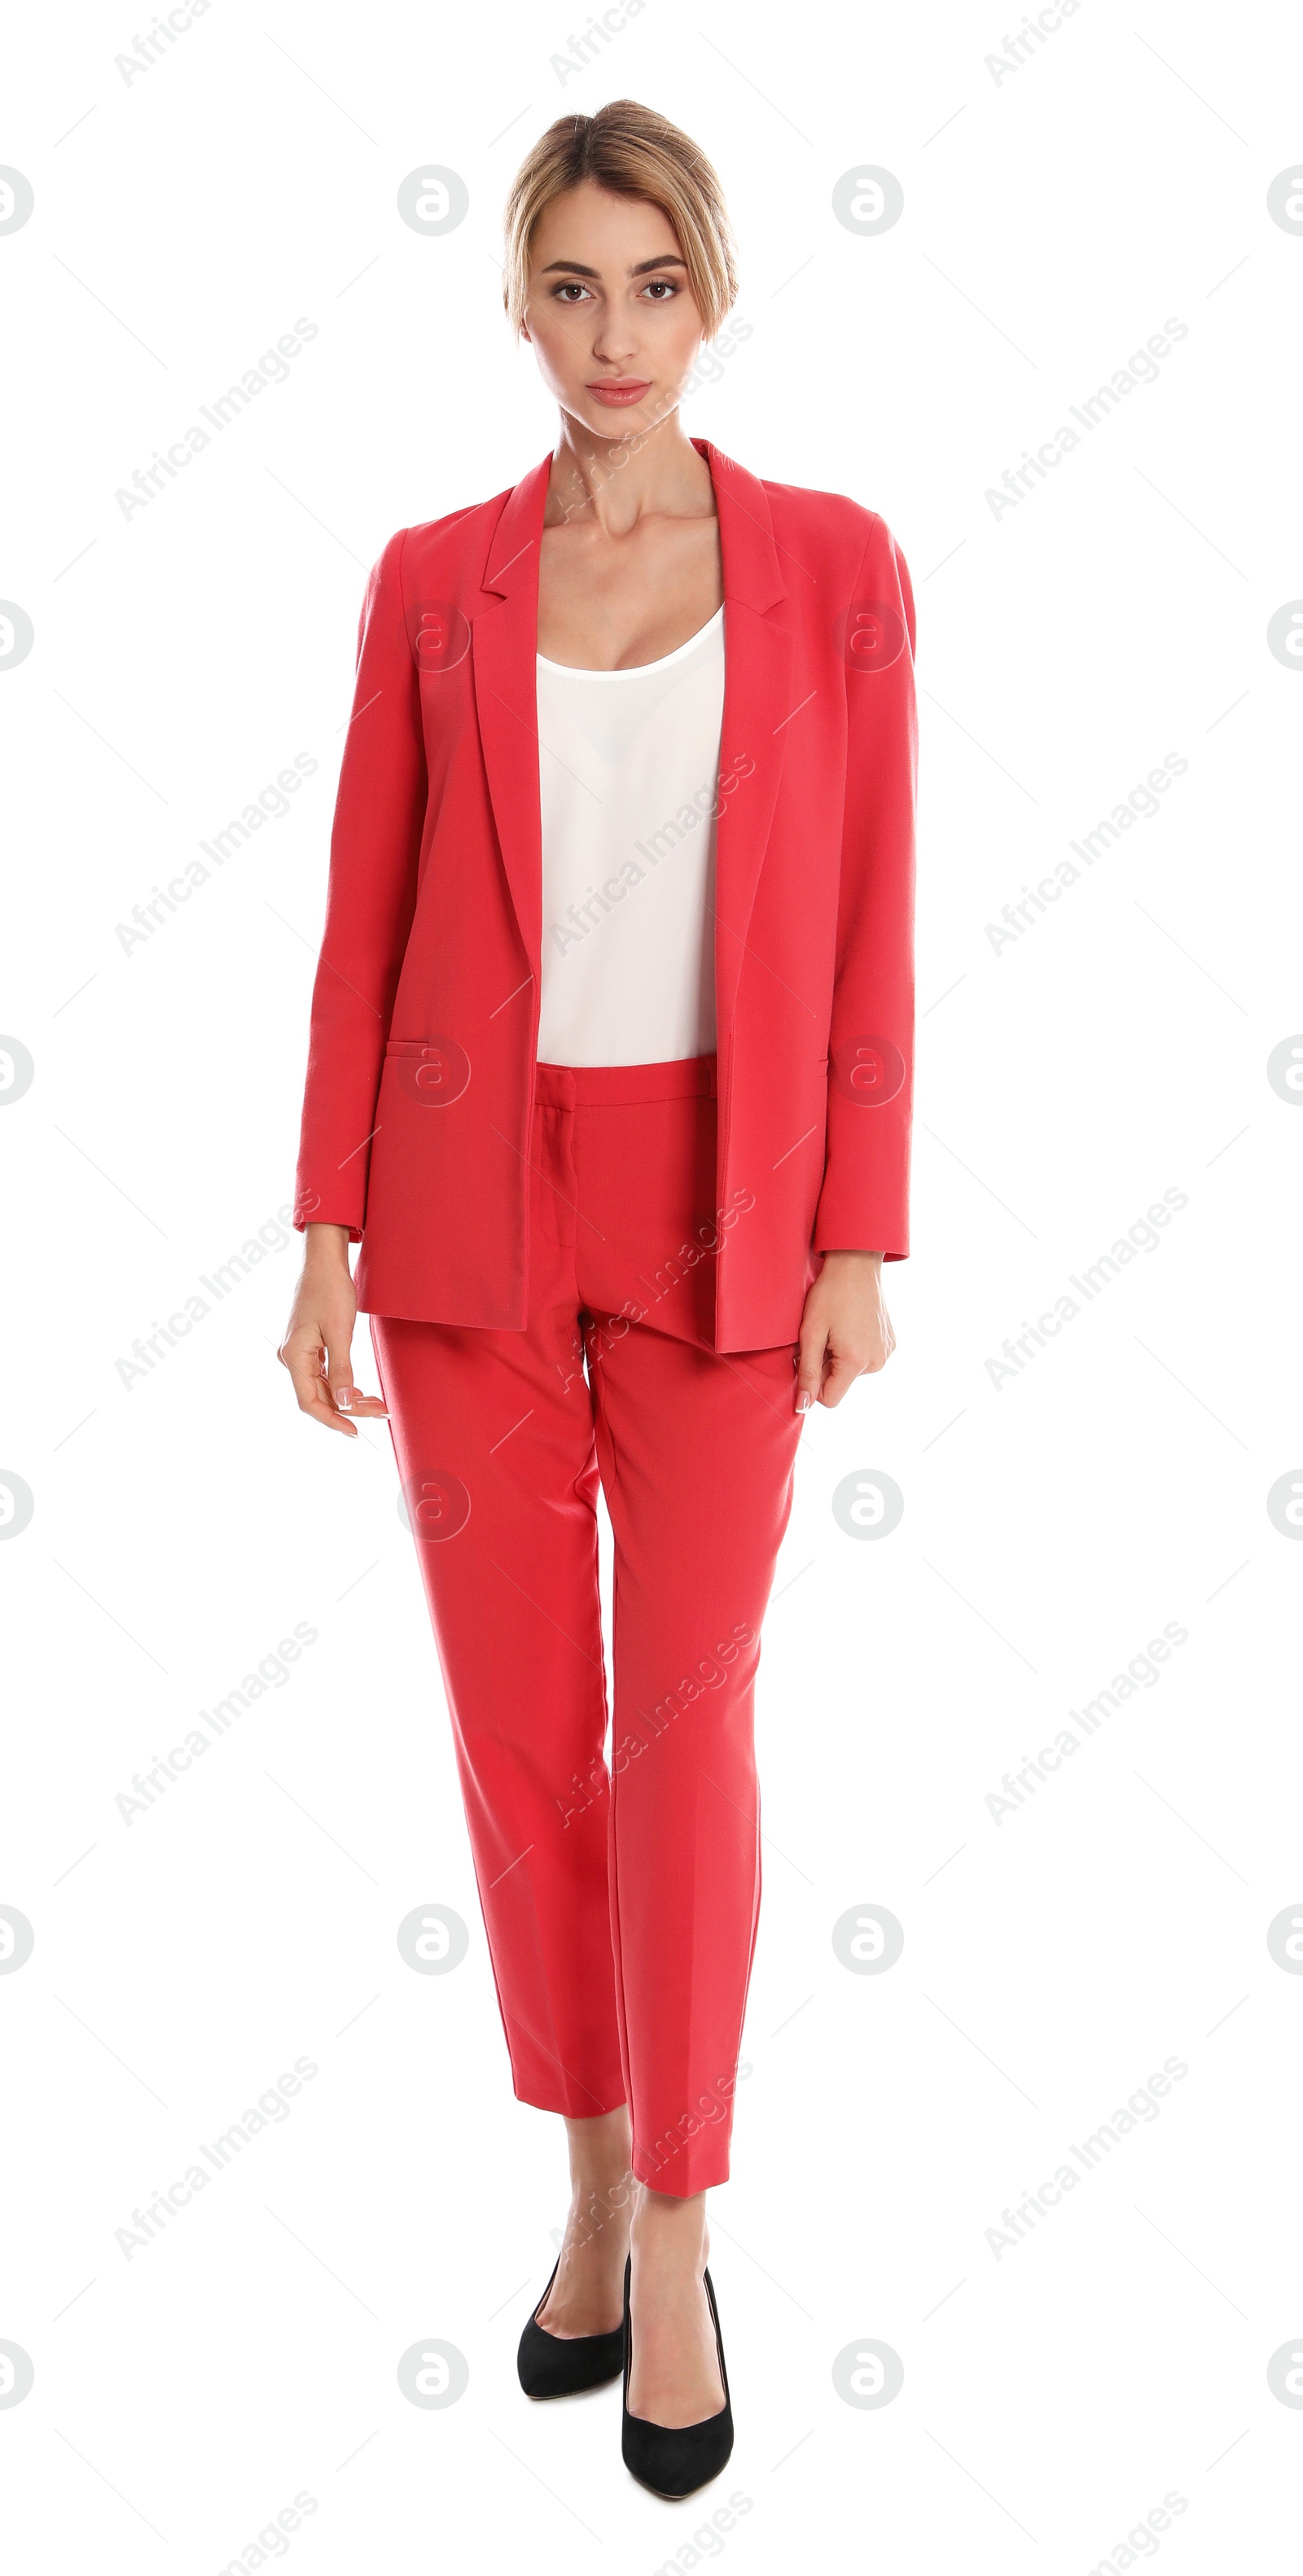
pixel 662 1221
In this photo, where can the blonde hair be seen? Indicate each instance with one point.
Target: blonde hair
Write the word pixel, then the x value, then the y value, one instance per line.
pixel 633 152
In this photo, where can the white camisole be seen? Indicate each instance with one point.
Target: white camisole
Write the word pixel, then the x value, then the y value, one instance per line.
pixel 628 781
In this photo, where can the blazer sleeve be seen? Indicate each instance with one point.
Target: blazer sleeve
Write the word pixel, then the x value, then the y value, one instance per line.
pixel 864 1202
pixel 374 851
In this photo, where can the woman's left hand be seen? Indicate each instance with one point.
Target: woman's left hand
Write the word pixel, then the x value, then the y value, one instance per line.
pixel 845 1328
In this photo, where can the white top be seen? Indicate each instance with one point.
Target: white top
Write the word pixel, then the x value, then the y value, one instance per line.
pixel 628 778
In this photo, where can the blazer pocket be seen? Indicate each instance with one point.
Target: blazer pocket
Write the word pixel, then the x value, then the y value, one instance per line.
pixel 431 1071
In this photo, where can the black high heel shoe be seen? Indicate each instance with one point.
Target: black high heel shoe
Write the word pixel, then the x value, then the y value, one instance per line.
pixel 549 2365
pixel 675 2459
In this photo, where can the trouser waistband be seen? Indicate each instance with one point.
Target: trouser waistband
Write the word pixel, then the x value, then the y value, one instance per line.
pixel 614 1086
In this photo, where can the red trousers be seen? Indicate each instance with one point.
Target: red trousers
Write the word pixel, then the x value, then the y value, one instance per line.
pixel 620 1897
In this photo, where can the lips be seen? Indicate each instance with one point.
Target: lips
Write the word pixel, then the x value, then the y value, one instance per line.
pixel 617 389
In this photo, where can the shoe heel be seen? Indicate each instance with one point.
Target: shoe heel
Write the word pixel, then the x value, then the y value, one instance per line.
pixel 565 2365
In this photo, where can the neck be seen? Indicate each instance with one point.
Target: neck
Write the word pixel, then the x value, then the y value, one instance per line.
pixel 611 483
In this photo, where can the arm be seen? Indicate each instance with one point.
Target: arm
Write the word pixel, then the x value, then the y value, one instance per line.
pixel 374 849
pixel 375 844
pixel 863 1214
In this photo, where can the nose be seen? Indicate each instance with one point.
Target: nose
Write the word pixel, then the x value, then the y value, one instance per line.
pixel 615 341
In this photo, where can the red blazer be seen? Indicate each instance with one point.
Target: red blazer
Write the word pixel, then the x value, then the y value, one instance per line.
pixel 417 1113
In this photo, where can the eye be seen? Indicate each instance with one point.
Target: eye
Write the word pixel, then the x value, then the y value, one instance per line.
pixel 662 290
pixel 570 290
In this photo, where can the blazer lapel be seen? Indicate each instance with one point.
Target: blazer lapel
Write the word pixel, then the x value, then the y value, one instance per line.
pixel 757 703
pixel 504 642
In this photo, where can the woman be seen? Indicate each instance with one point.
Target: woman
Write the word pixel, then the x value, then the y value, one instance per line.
pixel 610 1077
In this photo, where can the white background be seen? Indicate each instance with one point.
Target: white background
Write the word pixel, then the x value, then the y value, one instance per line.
pixel 1053 2392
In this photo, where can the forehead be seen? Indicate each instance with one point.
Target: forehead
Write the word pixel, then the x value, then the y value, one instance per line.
pixel 590 225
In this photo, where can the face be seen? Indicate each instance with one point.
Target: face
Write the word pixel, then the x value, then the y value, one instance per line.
pixel 611 317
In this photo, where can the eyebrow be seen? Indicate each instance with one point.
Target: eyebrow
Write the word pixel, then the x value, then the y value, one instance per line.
pixel 577 268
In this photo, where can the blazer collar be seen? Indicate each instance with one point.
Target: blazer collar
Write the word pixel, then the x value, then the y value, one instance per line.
pixel 750 557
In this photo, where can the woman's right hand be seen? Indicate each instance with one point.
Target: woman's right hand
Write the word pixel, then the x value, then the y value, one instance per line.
pixel 317 1349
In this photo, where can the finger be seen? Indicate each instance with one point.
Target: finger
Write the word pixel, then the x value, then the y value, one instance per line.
pixel 339 1370
pixel 809 1372
pixel 304 1361
pixel 842 1374
pixel 879 1351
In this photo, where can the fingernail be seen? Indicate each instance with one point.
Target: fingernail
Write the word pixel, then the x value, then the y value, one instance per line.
pixel 344 1398
pixel 803 1402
